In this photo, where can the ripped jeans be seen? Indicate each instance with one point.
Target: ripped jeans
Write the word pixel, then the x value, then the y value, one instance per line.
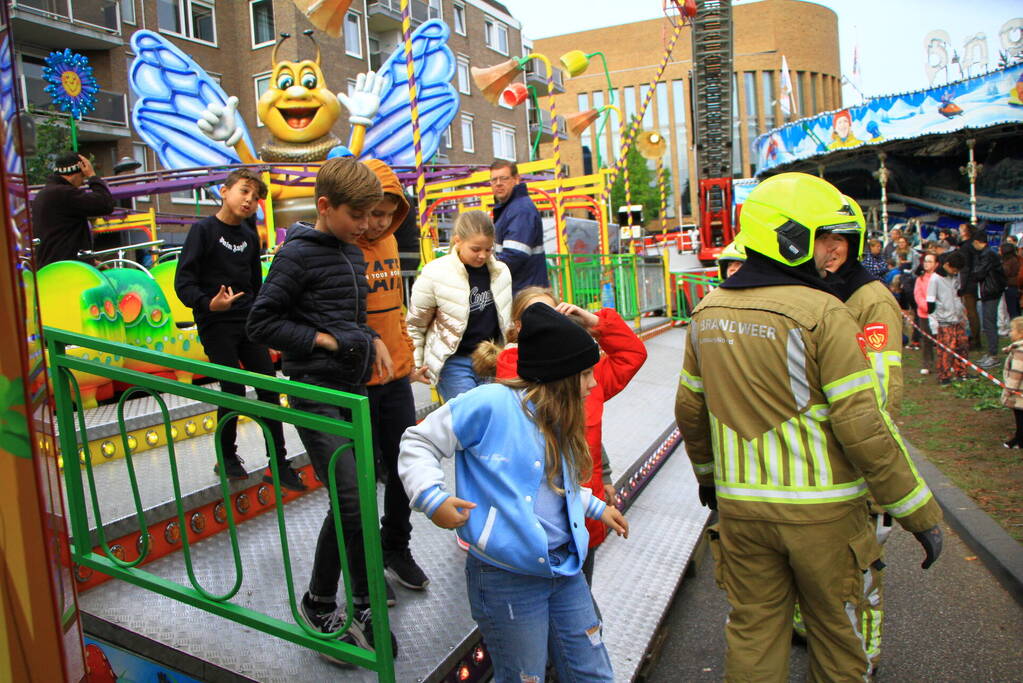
pixel 523 618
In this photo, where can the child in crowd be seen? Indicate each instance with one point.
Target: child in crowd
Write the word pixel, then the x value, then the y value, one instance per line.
pixel 521 457
pixel 929 264
pixel 947 317
pixel 458 301
pixel 219 276
pixel 624 355
pixel 1012 375
pixel 313 308
pixel 391 404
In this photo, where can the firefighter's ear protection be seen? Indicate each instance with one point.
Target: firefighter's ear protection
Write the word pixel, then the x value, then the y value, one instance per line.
pixel 793 240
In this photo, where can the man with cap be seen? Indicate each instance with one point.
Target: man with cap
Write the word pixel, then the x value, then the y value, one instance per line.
pixel 60 211
pixel 781 415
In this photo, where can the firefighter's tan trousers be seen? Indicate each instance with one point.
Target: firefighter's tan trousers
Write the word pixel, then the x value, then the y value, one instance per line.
pixel 765 566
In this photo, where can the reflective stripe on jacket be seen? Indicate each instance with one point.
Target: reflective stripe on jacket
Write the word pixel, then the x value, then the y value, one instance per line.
pixel 781 412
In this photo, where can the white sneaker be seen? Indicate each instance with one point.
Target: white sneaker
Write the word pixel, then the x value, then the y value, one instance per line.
pixel 924 371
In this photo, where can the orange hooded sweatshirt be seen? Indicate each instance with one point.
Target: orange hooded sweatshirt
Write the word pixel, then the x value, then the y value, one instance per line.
pixel 385 303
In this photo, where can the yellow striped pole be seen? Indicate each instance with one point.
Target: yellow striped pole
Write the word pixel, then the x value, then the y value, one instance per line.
pixel 425 244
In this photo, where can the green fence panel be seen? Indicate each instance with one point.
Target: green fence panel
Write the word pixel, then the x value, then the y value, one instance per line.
pixel 358 430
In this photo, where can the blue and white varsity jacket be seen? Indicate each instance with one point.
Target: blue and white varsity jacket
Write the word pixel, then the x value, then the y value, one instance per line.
pixel 499 465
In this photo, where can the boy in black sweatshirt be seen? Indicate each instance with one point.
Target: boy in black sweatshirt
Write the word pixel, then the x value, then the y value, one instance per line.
pixel 218 277
pixel 313 308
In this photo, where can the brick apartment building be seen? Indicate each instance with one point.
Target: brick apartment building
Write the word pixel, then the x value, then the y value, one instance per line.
pixel 234 42
pixel 805 33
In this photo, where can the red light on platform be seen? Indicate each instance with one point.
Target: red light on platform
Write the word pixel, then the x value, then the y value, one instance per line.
pixel 463 673
pixel 478 655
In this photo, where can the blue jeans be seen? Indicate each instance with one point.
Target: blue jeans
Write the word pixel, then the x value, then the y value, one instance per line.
pixel 523 618
pixel 456 377
pixel 989 323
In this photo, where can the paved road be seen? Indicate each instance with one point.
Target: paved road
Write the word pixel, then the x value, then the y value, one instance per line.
pixel 953 622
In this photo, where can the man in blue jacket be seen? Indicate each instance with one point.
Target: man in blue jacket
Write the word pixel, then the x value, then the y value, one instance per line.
pixel 518 230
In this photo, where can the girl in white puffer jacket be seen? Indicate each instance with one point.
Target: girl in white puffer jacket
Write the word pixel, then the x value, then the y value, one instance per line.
pixel 458 301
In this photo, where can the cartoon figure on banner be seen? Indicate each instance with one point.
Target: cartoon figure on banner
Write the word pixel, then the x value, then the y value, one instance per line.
pixel 1016 92
pixel 948 108
pixel 841 132
pixel 185 116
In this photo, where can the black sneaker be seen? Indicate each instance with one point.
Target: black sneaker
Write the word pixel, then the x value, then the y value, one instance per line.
pixel 403 569
pixel 289 478
pixel 328 618
pixel 233 468
pixel 361 602
pixel 1011 443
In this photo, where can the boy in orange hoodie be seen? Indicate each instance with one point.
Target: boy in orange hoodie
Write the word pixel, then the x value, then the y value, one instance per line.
pixel 392 406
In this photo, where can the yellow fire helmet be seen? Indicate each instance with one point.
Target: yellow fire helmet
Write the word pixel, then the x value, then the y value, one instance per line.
pixel 783 214
pixel 733 252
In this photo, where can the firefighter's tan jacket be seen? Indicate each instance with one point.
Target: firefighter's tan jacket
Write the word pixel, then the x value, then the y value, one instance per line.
pixel 877 313
pixel 780 411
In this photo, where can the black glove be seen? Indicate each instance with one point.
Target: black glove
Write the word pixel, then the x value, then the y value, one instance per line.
pixel 709 498
pixel 931 541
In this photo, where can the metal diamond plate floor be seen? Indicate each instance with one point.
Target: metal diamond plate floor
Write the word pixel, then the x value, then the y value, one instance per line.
pixel 633 583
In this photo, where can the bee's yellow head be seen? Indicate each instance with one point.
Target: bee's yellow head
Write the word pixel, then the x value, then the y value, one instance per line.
pixel 298 107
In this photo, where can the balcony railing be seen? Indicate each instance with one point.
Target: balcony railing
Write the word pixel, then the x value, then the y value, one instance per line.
pixel 100 14
pixel 110 108
pixel 386 14
pixel 536 74
pixel 542 118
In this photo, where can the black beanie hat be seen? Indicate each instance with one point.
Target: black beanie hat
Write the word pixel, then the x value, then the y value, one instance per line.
pixel 552 347
pixel 67 164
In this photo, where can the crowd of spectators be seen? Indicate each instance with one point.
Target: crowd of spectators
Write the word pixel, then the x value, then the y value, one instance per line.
pixel 986 285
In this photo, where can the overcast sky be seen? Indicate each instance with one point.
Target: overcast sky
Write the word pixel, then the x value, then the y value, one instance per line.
pixel 890 33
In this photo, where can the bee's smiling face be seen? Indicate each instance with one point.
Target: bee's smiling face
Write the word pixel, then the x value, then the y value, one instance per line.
pixel 297 107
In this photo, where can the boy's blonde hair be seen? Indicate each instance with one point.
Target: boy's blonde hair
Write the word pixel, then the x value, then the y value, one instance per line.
pixel 246 174
pixel 471 223
pixel 343 180
pixel 1016 324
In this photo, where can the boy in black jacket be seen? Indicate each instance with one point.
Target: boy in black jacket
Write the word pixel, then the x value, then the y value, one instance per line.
pixel 313 308
pixel 218 277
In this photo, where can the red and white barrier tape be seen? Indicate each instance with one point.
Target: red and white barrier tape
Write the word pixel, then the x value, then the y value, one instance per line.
pixel 981 371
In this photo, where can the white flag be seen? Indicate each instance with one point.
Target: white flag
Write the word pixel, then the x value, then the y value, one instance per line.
pixel 786 89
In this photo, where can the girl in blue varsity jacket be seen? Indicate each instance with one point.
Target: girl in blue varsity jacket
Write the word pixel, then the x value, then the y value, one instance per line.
pixel 520 456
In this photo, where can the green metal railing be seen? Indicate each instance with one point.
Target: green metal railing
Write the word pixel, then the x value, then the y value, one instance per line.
pixel 357 430
pixel 689 288
pixel 592 278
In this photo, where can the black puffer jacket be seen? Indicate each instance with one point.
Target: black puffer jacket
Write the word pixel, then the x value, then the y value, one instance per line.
pixel 316 283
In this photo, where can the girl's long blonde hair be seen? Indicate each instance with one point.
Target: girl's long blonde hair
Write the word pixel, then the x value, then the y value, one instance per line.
pixel 557 409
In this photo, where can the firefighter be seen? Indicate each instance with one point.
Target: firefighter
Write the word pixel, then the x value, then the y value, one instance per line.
pixel 781 416
pixel 731 259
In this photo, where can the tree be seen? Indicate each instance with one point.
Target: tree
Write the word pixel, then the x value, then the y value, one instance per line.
pixel 52 139
pixel 642 186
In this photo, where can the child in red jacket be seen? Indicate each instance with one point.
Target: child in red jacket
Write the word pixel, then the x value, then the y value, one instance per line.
pixel 623 354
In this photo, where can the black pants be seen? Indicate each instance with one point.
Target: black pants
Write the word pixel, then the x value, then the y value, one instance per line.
pixel 321 446
pixel 1018 437
pixel 1012 300
pixel 392 410
pixel 227 344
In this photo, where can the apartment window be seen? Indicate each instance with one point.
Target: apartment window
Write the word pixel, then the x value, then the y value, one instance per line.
pixel 767 86
pixel 813 93
pixel 738 165
pixel 799 94
pixel 459 12
pixel 434 9
pixel 353 35
pixel 681 181
pixel 193 19
pixel 468 136
pixel 446 138
pixel 128 11
pixel 464 84
pixel 495 35
pixel 749 80
pixel 261 13
pixel 138 152
pixel 261 82
pixel 504 141
pixel 197 196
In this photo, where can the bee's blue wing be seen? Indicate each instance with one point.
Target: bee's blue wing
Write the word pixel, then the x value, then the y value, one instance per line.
pixel 172 92
pixel 8 108
pixel 390 138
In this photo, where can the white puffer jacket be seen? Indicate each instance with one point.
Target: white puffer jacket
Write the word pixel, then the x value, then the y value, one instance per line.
pixel 438 311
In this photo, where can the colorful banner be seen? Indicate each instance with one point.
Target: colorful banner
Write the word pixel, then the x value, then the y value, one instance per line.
pixel 979 102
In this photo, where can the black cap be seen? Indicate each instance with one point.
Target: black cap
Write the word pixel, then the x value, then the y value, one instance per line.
pixel 552 347
pixel 67 164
